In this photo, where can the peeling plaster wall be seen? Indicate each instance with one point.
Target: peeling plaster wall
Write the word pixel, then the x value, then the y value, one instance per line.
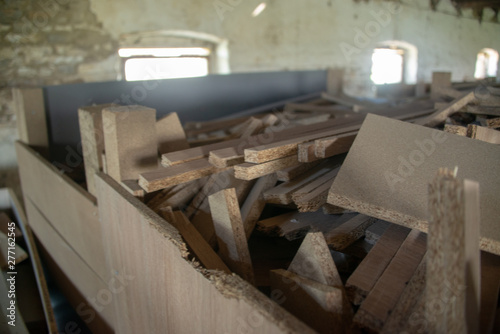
pixel 45 42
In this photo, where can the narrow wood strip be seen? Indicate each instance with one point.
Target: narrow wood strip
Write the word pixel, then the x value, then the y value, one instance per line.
pixel 249 171
pixel 132 186
pixel 384 296
pixel 255 202
pixel 375 231
pixel 366 275
pixel 328 147
pixel 233 247
pixel 171 176
pixel 454 106
pixel 483 110
pixel 347 233
pixel 485 134
pixel 291 173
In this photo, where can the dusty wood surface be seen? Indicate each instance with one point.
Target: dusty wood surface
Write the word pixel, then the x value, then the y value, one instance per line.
pixel 129 141
pixel 388 186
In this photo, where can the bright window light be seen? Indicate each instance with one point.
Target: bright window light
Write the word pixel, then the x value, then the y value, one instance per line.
pixel 387 66
pixel 259 9
pixel 163 52
pixel 486 64
pixel 165 68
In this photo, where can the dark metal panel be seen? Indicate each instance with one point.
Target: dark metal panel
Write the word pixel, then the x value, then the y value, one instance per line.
pixel 194 99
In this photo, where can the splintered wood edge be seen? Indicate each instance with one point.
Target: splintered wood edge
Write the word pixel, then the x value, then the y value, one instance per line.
pixel 230 286
pixel 486 244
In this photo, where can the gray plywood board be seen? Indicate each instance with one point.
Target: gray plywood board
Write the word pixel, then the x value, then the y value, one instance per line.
pixel 388 169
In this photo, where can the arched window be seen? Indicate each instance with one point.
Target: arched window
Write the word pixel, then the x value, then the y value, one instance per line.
pixel 486 64
pixel 394 62
pixel 170 54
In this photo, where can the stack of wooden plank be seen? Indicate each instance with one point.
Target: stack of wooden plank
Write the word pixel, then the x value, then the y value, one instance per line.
pixel 344 184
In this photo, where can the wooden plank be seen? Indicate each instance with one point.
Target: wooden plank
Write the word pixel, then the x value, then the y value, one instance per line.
pixel 254 204
pixel 92 136
pixel 409 311
pixel 456 129
pixel 295 225
pixel 31 118
pixel 330 146
pixel 288 147
pixel 313 196
pixel 249 171
pixel 485 134
pixel 170 134
pixel 132 186
pixel 81 285
pixel 384 296
pixel 366 275
pixel 293 172
pixel 318 305
pixel 129 141
pixel 174 175
pixel 233 247
pixel 442 114
pixel 200 248
pixel 305 152
pixel 453 257
pixel 347 233
pixel 22 223
pixel 483 110
pixel 385 174
pixel 219 303
pixel 69 208
pixel 493 123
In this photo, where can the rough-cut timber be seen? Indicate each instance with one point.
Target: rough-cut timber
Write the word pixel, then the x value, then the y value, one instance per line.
pixel 386 172
pixel 129 141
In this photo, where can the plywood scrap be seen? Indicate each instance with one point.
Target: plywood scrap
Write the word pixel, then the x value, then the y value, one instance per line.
pixel 456 129
pixel 453 257
pixel 255 202
pixel 129 141
pixel 170 176
pixel 291 173
pixel 442 114
pixel 347 233
pixel 92 136
pixel 318 305
pixel 233 246
pixel 295 225
pixel 382 299
pixel 313 195
pixel 195 242
pixel 366 275
pixel 482 133
pixel 409 311
pixel 250 171
pixel 493 123
pixel 330 146
pixel 170 134
pixel 282 194
pixel 384 174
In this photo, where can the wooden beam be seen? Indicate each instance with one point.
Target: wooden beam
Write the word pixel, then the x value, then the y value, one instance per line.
pixel 233 247
pixel 346 234
pixel 92 136
pixel 170 134
pixel 31 119
pixel 453 260
pixel 385 171
pixel 366 275
pixel 129 141
pixel 382 299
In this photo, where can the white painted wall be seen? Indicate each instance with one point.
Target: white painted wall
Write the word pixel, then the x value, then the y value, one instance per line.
pixel 310 34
